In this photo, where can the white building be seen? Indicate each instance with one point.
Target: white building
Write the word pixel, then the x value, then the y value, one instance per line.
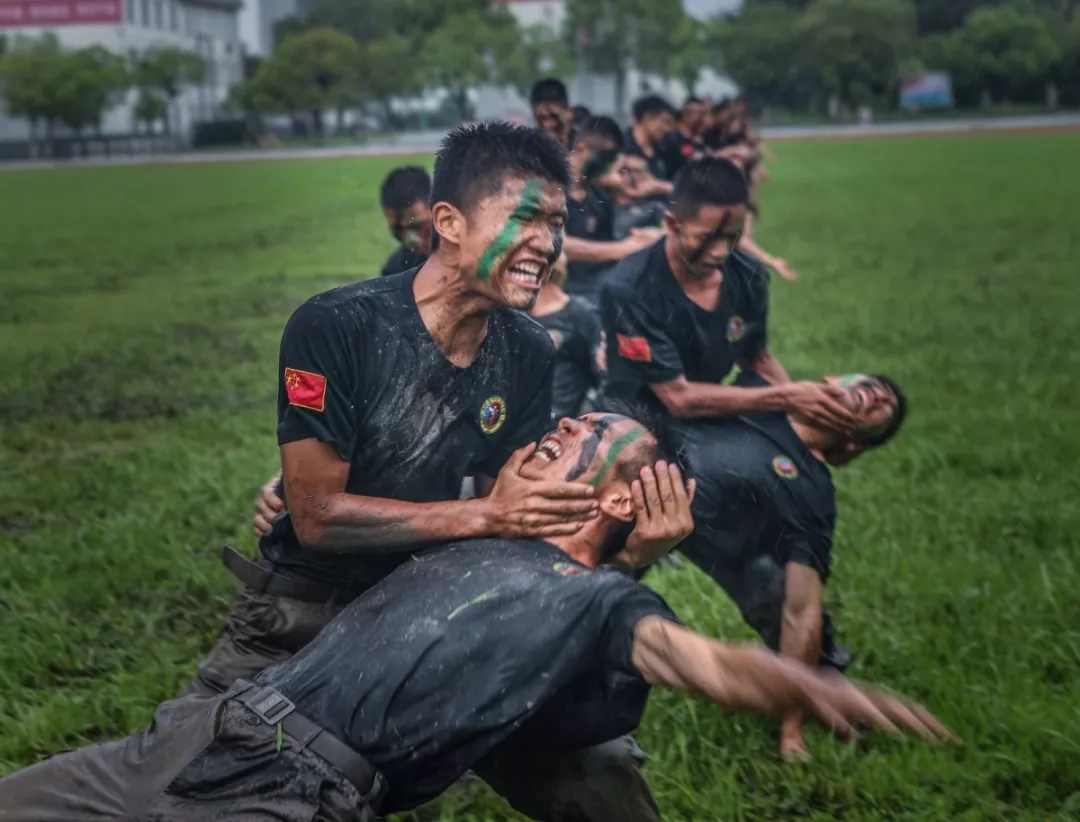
pixel 131 27
pixel 597 91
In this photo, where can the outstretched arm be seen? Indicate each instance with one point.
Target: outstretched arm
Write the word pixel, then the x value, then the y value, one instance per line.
pixel 800 638
pixel 748 678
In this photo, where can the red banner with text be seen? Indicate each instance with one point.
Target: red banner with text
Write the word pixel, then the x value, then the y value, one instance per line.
pixel 49 13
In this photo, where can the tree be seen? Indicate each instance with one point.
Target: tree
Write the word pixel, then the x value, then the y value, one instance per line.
pixel 150 108
pixel 1014 49
pixel 756 50
pixel 612 34
pixel 854 48
pixel 536 52
pixel 167 71
pixel 691 45
pixel 31 80
pixel 389 68
pixel 93 81
pixel 466 52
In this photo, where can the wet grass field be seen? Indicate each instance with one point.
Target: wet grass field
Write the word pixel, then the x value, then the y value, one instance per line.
pixel 140 310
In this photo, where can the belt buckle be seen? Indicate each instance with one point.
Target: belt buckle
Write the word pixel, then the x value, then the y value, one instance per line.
pixel 270 706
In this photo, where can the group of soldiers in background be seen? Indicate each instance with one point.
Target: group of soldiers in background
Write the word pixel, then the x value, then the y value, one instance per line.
pixel 397 631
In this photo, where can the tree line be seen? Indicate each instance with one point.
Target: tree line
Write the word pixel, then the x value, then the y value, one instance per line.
pixel 49 85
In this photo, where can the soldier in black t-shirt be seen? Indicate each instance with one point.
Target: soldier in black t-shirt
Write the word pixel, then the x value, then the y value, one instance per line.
pixel 404 200
pixel 485 654
pixel 683 143
pixel 575 330
pixel 765 511
pixel 590 246
pixel 393 390
pixel 680 315
pixel 551 110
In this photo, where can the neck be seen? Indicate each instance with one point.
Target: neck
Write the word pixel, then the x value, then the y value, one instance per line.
pixel 641 137
pixel 584 546
pixel 550 300
pixel 816 440
pixel 577 173
pixel 454 313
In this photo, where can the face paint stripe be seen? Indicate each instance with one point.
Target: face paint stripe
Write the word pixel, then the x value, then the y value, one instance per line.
pixel 531 197
pixel 589 449
pixel 617 448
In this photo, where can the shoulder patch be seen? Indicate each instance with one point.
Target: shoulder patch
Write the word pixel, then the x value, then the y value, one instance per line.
pixel 305 389
pixel 634 348
pixel 785 467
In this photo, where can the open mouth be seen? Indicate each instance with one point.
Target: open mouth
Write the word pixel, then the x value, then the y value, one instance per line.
pixel 549 449
pixel 526 275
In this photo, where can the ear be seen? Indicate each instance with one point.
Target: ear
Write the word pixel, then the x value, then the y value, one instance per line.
pixel 617 502
pixel 448 222
pixel 670 222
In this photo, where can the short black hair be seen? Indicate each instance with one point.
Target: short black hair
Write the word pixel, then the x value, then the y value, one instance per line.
pixel 650 104
pixel 714 181
pixel 898 416
pixel 404 186
pixel 691 100
pixel 581 114
pixel 667 448
pixel 603 127
pixel 549 90
pixel 474 161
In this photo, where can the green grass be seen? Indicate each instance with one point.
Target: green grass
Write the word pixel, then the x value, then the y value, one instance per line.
pixel 140 310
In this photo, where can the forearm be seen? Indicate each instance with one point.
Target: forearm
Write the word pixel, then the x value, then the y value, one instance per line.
pixel 593 251
pixel 747 244
pixel 352 524
pixel 697 400
pixel 766 366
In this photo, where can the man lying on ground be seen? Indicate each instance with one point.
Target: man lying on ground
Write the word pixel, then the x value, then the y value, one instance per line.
pixel 765 511
pixel 460 655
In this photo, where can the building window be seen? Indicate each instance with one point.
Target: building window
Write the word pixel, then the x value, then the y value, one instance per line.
pixel 173 25
pixel 144 8
pixel 129 11
pixel 159 15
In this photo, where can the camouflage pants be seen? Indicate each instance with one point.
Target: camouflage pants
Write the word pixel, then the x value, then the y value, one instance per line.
pixel 201 760
pixel 599 784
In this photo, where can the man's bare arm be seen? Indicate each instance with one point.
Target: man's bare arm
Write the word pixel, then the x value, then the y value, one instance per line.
pixel 328 519
pixel 766 366
pixel 800 638
pixel 754 679
pixel 598 251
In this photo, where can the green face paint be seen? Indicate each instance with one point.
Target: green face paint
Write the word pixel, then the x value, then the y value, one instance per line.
pixel 849 380
pixel 531 197
pixel 617 447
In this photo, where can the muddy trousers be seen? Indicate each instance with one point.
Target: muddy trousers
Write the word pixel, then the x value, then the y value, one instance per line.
pixel 600 784
pixel 201 759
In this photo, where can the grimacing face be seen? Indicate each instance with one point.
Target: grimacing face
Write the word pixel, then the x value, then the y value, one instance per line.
pixel 411 227
pixel 513 238
pixel 554 119
pixel 587 449
pixel 872 402
pixel 705 240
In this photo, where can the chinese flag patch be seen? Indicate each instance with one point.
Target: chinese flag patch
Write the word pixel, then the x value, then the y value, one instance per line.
pixel 305 389
pixel 634 348
pixel 687 149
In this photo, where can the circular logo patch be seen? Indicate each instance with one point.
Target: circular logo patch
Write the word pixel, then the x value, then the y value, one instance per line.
pixel 556 337
pixel 784 467
pixel 736 328
pixel 492 414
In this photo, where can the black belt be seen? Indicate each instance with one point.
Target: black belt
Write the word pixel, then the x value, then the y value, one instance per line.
pixel 274 709
pixel 268 581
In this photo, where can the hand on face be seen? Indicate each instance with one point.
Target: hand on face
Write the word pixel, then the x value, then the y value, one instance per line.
pixel 662 517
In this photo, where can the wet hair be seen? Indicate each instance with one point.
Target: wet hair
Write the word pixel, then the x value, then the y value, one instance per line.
pixel 665 447
pixel 549 90
pixel 650 104
pixel 603 127
pixel 581 114
pixel 404 186
pixel 898 416
pixel 474 161
pixel 712 181
pixel 691 100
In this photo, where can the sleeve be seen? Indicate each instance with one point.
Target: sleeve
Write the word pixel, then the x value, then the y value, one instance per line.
pixel 392 264
pixel 628 602
pixel 605 219
pixel 318 379
pixel 534 420
pixel 757 312
pixel 637 339
pixel 807 539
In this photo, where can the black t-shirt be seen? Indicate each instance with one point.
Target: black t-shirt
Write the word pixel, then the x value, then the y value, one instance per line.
pixel 590 219
pixel 402 260
pixel 575 331
pixel 657 162
pixel 761 494
pixel 448 656
pixel 656 333
pixel 677 149
pixel 360 372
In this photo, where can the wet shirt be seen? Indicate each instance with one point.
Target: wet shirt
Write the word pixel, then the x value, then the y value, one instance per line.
pixel 761 494
pixel 359 372
pixel 677 149
pixel 655 333
pixel 402 260
pixel 575 331
pixel 456 650
pixel 591 218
